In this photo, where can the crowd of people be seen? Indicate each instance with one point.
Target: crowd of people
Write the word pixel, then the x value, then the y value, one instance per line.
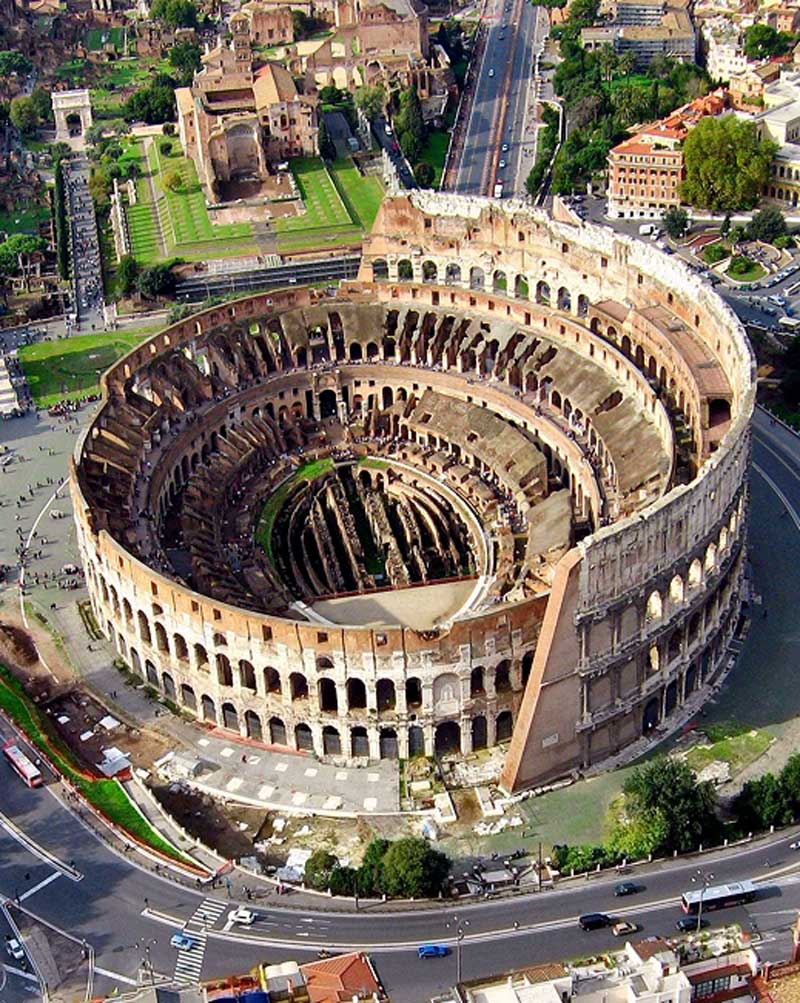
pixel 87 270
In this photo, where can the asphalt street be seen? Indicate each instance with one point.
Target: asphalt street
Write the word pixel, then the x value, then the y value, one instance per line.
pixel 498 113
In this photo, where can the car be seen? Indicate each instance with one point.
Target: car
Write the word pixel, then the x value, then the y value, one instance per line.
pixel 502 164
pixel 491 72
pixel 795 845
pixel 625 888
pixel 182 941
pixel 593 920
pixel 14 950
pixel 504 147
pixel 623 927
pixel 433 951
pixel 688 924
pixel 243 916
pixel 387 129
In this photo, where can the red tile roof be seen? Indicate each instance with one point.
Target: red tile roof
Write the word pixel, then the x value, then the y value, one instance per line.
pixel 339 979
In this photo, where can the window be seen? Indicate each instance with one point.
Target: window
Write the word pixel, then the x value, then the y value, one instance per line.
pixel 266 633
pixel 154 588
pixel 322 637
pixel 217 614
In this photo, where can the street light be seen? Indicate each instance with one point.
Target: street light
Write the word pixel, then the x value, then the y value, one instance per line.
pixel 705 879
pixel 461 929
pixel 148 963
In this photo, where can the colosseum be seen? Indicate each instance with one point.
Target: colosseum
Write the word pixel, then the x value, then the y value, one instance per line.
pixel 493 491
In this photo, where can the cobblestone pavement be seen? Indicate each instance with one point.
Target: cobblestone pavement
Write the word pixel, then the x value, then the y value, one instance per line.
pixel 274 777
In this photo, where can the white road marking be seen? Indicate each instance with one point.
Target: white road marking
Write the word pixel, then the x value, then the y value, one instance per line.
pixel 38 851
pixel 116 976
pixel 42 884
pixel 785 501
pixel 21 974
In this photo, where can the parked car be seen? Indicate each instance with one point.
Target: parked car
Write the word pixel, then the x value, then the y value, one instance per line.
pixel 593 920
pixel 14 949
pixel 182 941
pixel 623 927
pixel 688 924
pixel 243 916
pixel 433 951
pixel 626 888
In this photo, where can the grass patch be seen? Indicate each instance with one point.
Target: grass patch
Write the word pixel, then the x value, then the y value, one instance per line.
pixel 434 153
pixel 738 749
pixel 68 368
pixel 714 253
pixel 743 269
pixel 372 463
pixel 25 218
pixel 308 472
pixel 107 796
pixel 98 38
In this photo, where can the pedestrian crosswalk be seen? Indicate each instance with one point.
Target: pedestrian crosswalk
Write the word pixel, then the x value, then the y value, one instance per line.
pixel 189 964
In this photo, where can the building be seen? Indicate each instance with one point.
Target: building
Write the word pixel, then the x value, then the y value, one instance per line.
pixel 345 978
pixel 542 431
pixel 645 171
pixel 724 53
pixel 646 29
pixel 235 120
pixel 267 24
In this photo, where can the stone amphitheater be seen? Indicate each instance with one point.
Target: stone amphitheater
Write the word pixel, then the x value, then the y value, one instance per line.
pixel 493 491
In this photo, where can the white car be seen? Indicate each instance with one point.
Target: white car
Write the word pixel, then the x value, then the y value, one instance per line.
pixel 491 72
pixel 242 916
pixel 14 949
pixel 795 845
pixel 502 164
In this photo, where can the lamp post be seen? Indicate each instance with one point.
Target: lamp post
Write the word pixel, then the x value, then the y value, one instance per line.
pixel 460 930
pixel 704 879
pixel 145 945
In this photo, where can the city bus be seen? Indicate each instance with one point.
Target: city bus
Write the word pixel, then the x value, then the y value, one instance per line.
pixel 790 324
pixel 22 765
pixel 717 897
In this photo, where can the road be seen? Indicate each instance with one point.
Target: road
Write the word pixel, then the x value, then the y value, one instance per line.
pixel 498 113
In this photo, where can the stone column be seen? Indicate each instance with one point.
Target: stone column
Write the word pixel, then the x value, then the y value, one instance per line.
pixel 466 735
pixel 374 736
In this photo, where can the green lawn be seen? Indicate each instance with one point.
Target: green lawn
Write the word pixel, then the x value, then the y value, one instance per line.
pixel 340 205
pixel 274 503
pixel 25 218
pixel 68 367
pixel 753 273
pixel 96 38
pixel 730 743
pixel 435 151
pixel 107 796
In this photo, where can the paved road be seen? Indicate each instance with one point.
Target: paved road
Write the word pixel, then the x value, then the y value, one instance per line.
pixel 497 115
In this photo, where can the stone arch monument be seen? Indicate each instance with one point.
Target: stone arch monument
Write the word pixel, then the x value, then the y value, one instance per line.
pixel 69 103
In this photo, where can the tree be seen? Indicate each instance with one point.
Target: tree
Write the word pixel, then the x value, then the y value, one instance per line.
pixel 13 62
pixel 165 147
pixel 727 164
pixel 762 803
pixel 370 874
pixel 725 227
pixel 175 13
pixel 156 281
pixel 790 774
pixel 342 880
pixel 185 58
pixel 424 174
pixel 634 839
pixel 669 786
pixel 412 868
pixel 42 104
pixel 23 115
pixel 127 273
pixel 94 134
pixel 319 867
pixel 326 148
pixel 676 221
pixel 371 100
pixel 302 24
pixel 409 119
pixel 740 265
pixel 738 234
pixel 762 41
pixel 330 94
pixel 153 104
pixel 59 152
pixel 767 225
pixel 173 180
pixel 169 129
pixel 15 252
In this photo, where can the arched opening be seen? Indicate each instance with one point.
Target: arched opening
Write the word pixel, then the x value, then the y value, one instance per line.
pixel 452 275
pixel 671 697
pixel 416 741
pixel 543 293
pixel 430 272
pixel 583 305
pixel 188 698
pixel 247 675
pixel 690 680
pixel 447 738
pixel 209 708
pixel 504 725
pixel 328 697
pixel 676 590
pixel 180 646
pixel 719 411
pixel 277 731
pixel 252 723
pixel 694 627
pixel 477 278
pixel 479 732
pixel 388 744
pixel 372 350
pixel 385 694
pixel 161 639
pixel 413 692
pixel 359 742
pixel 327 404
pixel 405 270
pixel 389 348
pixel 272 680
pixel 331 741
pixel 564 299
pixel 476 684
pixel 499 282
pixel 650 717
pixel 380 270
pixel 150 673
pixel 355 352
pixel 521 287
pixel 387 397
pixel 168 686
pixel 298 686
pixel 695 574
pixel 356 694
pixel 527 663
pixel 224 671
pixel 655 607
pixel 675 646
pixel 502 677
pixel 303 738
pixel 144 628
pixel 230 719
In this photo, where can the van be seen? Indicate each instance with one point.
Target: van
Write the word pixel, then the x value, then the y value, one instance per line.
pixel 593 920
pixel 645 229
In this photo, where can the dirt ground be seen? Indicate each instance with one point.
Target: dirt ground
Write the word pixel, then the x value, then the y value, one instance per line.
pixel 231 832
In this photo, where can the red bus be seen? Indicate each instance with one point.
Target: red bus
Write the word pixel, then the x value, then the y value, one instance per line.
pixel 22 765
